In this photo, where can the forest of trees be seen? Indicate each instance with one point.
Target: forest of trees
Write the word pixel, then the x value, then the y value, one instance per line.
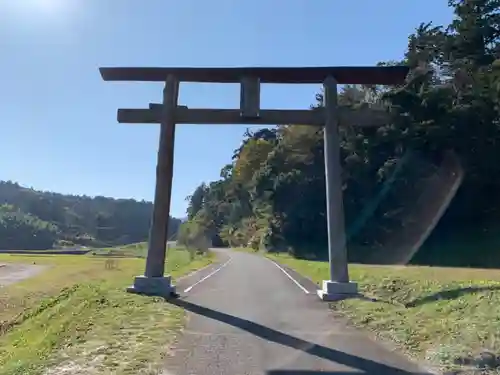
pixel 272 194
pixel 31 219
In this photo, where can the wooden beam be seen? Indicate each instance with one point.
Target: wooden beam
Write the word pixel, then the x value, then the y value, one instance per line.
pixel 250 97
pixel 337 252
pixel 364 117
pixel 370 75
pixel 155 261
pixel 221 116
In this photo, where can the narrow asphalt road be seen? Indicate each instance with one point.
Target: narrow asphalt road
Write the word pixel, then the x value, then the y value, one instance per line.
pixel 247 316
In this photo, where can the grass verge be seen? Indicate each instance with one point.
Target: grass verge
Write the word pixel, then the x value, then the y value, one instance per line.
pixel 76 318
pixel 447 317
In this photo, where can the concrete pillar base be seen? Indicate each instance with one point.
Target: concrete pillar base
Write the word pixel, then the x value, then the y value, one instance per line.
pixel 335 291
pixel 153 286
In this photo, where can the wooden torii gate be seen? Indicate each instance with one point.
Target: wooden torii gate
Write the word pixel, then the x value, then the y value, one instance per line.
pixel 169 113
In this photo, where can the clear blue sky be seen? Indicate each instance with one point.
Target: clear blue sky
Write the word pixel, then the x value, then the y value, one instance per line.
pixel 58 119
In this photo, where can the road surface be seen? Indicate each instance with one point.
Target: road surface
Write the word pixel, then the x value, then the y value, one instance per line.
pixel 248 316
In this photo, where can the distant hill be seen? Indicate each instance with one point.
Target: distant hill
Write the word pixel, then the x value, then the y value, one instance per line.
pixel 31 219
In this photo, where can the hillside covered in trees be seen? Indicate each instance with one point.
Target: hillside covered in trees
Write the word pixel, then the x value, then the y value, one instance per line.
pixel 31 219
pixel 272 194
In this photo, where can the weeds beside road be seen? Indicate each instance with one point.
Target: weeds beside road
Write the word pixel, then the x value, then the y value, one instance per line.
pixel 76 318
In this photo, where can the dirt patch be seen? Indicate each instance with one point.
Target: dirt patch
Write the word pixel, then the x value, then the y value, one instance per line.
pixel 12 273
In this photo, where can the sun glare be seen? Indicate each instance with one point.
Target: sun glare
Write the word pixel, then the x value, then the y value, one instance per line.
pixel 58 21
pixel 35 13
pixel 49 6
pixel 39 7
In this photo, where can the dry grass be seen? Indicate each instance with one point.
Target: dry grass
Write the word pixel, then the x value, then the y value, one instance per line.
pixel 449 317
pixel 76 318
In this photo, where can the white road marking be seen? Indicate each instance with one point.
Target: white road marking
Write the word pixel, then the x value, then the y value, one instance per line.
pixel 206 277
pixel 290 277
pixel 193 273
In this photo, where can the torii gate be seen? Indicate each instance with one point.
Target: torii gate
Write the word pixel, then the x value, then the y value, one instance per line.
pixel 168 114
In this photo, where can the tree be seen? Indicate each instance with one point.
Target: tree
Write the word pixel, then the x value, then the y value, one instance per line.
pixel 196 201
pixel 97 221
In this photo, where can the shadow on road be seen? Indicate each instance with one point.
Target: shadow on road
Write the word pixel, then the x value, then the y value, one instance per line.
pixel 308 372
pixel 366 365
pixel 312 372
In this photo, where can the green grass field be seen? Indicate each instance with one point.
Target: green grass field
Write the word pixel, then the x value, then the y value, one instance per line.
pixel 447 317
pixel 76 318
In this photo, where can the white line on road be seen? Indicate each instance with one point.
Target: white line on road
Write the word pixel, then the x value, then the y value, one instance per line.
pixel 206 277
pixel 193 273
pixel 290 277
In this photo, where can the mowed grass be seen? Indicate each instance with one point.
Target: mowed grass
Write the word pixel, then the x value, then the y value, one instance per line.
pixel 447 317
pixel 77 318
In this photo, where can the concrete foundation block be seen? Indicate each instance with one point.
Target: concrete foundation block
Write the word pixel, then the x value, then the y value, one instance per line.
pixel 335 291
pixel 153 286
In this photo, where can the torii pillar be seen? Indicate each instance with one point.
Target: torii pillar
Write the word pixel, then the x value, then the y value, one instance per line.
pixel 154 282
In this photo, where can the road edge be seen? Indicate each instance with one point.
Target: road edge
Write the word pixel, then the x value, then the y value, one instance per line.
pixel 372 336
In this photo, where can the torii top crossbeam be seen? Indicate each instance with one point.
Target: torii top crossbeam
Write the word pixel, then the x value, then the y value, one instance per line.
pixel 369 75
pixel 251 78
